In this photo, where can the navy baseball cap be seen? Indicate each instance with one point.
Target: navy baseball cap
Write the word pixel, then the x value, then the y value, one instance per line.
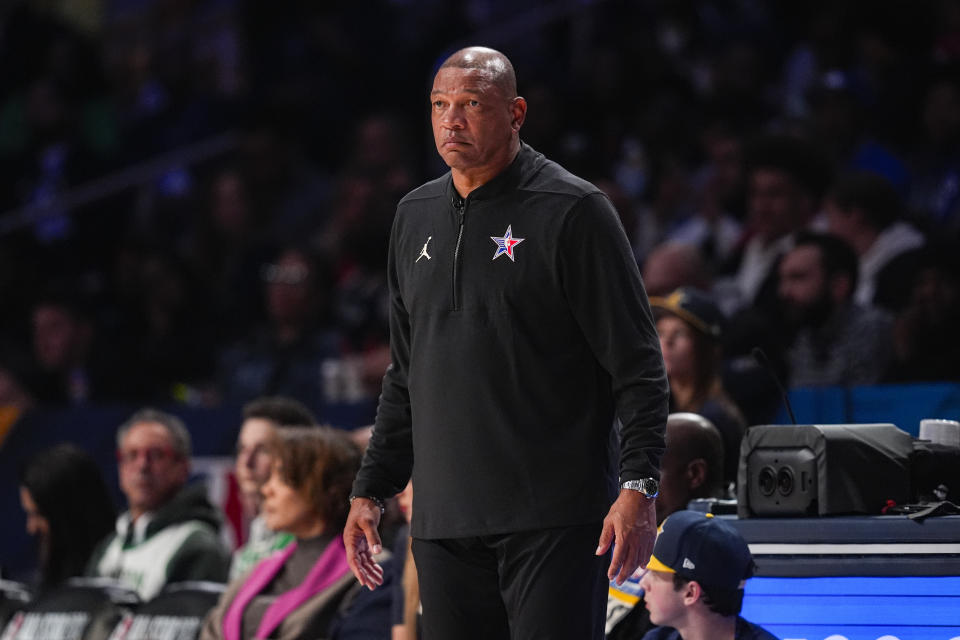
pixel 694 307
pixel 697 546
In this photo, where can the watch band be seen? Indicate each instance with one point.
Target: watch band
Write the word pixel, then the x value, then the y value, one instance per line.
pixel 376 501
pixel 647 486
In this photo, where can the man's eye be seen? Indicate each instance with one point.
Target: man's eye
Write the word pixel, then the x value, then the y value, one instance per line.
pixel 474 103
pixel 437 103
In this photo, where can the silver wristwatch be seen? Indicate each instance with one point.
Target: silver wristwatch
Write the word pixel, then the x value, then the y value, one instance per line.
pixel 647 486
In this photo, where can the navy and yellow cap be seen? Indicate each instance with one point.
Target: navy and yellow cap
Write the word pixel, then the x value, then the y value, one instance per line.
pixel 694 307
pixel 697 546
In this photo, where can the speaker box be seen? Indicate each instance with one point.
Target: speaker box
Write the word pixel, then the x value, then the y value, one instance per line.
pixel 822 469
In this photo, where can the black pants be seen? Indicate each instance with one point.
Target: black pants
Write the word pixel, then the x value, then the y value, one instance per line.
pixel 521 586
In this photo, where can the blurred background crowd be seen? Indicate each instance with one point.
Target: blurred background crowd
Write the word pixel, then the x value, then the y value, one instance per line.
pixel 196 195
pixel 196 198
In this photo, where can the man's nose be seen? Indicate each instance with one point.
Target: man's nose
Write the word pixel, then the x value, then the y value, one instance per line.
pixel 453 118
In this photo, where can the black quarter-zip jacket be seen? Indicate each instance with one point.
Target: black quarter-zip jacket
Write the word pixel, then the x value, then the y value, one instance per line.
pixel 519 329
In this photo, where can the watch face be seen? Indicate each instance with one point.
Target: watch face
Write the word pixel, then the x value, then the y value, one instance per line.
pixel 647 486
pixel 651 487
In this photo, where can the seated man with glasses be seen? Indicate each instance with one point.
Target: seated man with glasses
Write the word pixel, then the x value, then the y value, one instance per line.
pixel 170 532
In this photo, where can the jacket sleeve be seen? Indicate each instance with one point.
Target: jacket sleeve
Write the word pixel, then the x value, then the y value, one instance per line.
pixel 606 296
pixel 388 460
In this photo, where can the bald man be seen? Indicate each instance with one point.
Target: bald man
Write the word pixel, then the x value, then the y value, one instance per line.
pixel 692 467
pixel 519 330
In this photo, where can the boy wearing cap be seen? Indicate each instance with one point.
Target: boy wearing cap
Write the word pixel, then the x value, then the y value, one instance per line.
pixel 693 586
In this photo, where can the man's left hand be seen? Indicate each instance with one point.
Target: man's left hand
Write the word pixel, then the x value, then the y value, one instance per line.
pixel 631 526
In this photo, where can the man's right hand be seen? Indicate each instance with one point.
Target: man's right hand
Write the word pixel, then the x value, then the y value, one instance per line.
pixel 363 542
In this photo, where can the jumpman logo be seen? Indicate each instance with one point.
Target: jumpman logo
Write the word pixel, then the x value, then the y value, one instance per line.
pixel 423 252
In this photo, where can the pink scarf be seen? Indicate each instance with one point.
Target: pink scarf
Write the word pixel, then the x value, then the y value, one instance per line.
pixel 329 567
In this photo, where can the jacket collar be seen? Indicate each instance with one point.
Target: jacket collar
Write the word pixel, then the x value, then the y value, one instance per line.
pixel 507 180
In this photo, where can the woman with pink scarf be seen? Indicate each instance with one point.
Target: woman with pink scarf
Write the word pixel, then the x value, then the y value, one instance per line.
pixel 306 590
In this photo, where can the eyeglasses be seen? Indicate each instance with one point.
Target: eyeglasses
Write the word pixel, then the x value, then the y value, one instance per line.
pixel 153 455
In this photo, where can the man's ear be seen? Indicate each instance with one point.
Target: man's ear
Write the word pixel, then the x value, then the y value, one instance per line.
pixel 696 473
pixel 692 592
pixel 518 109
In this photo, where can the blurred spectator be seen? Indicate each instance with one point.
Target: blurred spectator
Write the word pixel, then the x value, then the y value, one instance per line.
pixel 865 211
pixel 926 343
pixel 840 124
pixel 738 72
pixel 376 175
pixel 934 195
pixel 714 229
pixel 72 366
pixel 821 42
pixel 690 327
pixel 306 590
pixel 786 179
pixel 261 419
pixel 360 302
pixel 672 265
pixel 169 324
pixel 286 356
pixel 289 194
pixel 170 532
pixel 693 463
pixel 68 510
pixel 225 252
pixel 670 203
pixel 837 342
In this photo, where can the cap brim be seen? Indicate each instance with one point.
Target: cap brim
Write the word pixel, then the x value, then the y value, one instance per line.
pixel 665 304
pixel 656 565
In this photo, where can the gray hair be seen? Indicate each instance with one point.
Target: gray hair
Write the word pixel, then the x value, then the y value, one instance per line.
pixel 174 426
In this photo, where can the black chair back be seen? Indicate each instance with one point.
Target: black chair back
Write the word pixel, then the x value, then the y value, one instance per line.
pixel 176 613
pixel 80 609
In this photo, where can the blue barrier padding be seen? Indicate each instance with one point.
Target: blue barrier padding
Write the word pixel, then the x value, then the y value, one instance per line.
pixel 903 405
pixel 855 608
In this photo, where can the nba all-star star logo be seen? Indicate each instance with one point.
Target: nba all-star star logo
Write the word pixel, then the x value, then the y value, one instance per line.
pixel 506 244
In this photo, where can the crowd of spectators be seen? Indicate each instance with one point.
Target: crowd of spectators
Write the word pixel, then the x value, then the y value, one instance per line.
pixel 720 130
